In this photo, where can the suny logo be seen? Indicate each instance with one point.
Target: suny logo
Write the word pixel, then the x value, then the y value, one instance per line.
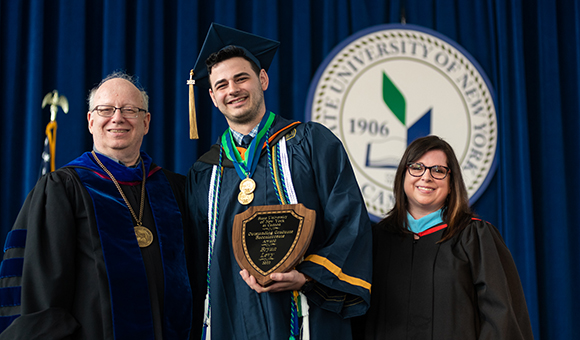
pixel 383 87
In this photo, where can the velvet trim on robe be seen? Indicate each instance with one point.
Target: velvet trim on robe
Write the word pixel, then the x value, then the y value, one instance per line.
pixel 67 287
pixel 339 256
pixel 125 271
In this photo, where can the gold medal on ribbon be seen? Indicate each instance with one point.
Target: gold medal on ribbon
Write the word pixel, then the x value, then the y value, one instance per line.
pixel 247 186
pixel 244 198
pixel 144 236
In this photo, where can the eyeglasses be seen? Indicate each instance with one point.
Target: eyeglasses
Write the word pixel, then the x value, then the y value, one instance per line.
pixel 437 171
pixel 126 111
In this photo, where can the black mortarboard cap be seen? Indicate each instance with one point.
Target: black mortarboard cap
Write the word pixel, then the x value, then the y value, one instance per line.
pixel 261 50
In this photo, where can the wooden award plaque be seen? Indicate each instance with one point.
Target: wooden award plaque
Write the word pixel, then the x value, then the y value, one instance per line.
pixel 272 238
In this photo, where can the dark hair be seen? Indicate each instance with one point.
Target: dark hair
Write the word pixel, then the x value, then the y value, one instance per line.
pixel 456 211
pixel 122 75
pixel 226 53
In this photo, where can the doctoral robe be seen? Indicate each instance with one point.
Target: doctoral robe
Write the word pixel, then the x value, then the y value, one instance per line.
pixel 72 266
pixel 338 258
pixel 464 288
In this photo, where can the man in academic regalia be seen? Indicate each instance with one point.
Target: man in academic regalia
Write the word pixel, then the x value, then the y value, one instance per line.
pixel 97 251
pixel 287 162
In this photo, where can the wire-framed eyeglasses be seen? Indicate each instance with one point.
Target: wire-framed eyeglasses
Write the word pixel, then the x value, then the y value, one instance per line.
pixel 437 171
pixel 126 111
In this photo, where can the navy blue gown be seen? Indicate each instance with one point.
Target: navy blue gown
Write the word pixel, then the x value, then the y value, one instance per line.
pixel 338 258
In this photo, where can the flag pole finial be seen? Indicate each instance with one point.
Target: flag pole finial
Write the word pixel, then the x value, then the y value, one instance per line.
pixel 54 100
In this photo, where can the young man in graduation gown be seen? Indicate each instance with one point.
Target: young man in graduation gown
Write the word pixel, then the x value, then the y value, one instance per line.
pixel 288 162
pixel 97 251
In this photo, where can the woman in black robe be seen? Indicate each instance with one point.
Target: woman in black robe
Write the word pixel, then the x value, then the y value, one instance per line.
pixel 438 271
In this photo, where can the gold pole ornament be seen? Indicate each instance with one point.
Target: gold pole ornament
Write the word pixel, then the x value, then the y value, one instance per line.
pixel 54 100
pixel 192 118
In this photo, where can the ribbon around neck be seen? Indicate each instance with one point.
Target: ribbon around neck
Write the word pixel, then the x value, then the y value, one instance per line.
pixel 245 167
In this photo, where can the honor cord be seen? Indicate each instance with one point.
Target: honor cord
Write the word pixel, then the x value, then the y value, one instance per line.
pixel 212 217
pixel 290 196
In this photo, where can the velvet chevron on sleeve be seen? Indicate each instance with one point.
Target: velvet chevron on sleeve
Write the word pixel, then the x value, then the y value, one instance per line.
pixel 76 269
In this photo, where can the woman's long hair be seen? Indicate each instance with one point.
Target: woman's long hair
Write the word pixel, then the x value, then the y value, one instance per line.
pixel 456 211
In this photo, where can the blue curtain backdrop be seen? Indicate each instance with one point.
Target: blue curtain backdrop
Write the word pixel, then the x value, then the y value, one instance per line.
pixel 530 51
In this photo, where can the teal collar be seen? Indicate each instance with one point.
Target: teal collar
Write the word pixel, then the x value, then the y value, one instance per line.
pixel 425 222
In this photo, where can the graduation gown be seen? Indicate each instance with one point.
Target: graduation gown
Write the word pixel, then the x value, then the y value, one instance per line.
pixel 464 288
pixel 72 267
pixel 338 258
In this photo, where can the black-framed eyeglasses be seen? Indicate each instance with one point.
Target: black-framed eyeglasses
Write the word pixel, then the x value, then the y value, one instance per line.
pixel 126 111
pixel 437 171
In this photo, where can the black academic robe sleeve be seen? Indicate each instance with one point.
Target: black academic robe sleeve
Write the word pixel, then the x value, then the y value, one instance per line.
pixel 65 289
pixel 50 215
pixel 464 288
pixel 502 306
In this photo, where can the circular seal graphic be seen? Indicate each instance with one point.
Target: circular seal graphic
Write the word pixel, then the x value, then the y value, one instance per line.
pixel 388 85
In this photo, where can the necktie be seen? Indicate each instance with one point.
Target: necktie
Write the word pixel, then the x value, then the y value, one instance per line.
pixel 246 140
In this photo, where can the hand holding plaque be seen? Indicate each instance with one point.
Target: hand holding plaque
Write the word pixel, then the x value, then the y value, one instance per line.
pixel 272 239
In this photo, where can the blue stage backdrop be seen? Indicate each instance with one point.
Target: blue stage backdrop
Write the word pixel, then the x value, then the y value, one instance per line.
pixel 529 50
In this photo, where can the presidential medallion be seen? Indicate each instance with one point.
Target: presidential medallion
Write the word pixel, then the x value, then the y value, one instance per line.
pixel 144 236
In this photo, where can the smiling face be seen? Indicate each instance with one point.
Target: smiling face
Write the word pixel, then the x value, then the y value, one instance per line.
pixel 426 194
pixel 116 136
pixel 238 92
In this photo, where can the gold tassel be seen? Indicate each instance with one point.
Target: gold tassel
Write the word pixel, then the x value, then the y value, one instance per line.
pixel 51 135
pixel 192 118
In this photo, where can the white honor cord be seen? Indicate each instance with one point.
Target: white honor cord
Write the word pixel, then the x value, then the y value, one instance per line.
pixel 207 319
pixel 286 171
pixel 210 212
pixel 305 315
pixel 211 239
pixel 305 330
